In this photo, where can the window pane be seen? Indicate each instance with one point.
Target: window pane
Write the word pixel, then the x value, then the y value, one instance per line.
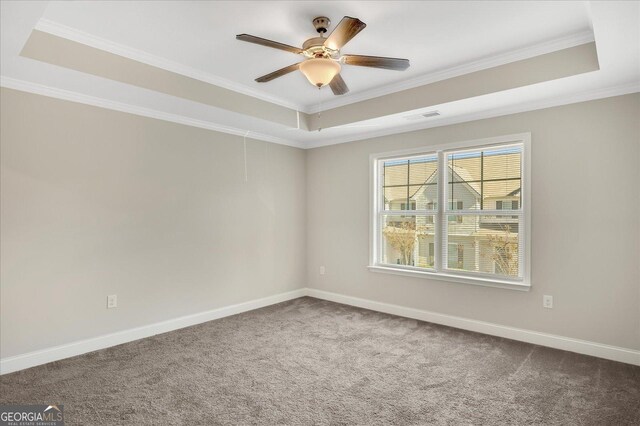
pixel 463 196
pixel 421 197
pixel 487 244
pixel 502 195
pixel 424 197
pixel 464 167
pixel 502 163
pixel 396 172
pixel 410 184
pixel 423 169
pixel 395 197
pixel 406 240
pixel 482 178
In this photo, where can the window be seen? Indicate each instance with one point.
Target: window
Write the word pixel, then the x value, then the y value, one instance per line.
pixel 507 205
pixel 457 212
pixel 411 206
pixel 455 205
pixel 408 188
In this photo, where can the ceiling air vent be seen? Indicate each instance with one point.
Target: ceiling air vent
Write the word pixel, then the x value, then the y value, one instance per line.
pixel 427 114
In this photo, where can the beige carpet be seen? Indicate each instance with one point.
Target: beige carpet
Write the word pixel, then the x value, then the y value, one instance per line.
pixel 309 362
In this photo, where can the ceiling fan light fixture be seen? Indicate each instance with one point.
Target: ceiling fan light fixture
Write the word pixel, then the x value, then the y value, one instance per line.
pixel 323 64
pixel 320 71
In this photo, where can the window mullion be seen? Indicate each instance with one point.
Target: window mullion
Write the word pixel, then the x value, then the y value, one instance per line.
pixel 439 222
pixel 379 209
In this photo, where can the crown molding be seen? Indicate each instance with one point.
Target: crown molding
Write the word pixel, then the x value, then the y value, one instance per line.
pixel 60 30
pixel 467 68
pixel 39 89
pixel 585 96
pixel 67 95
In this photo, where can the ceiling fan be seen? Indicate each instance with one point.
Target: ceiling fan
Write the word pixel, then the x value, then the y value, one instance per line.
pixel 322 60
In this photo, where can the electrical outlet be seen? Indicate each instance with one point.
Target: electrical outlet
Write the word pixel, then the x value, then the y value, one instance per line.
pixel 322 270
pixel 547 301
pixel 112 301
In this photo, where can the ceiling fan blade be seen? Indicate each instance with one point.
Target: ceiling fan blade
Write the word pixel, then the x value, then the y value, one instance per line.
pixel 269 43
pixel 347 29
pixel 338 86
pixel 278 73
pixel 377 62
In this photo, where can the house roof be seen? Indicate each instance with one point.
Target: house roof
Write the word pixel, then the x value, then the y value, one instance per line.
pixel 460 174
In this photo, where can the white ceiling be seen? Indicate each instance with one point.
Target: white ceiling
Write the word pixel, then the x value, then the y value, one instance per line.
pixel 438 37
pixel 433 35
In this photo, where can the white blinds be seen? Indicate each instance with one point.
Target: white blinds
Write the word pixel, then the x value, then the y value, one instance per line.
pixel 478 229
pixel 484 211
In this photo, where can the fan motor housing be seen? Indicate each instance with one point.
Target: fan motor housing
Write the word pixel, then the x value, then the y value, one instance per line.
pixel 315 48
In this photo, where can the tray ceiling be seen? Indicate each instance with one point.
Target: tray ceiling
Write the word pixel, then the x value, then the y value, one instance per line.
pixel 443 40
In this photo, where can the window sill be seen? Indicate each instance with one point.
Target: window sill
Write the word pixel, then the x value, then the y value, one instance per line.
pixel 511 285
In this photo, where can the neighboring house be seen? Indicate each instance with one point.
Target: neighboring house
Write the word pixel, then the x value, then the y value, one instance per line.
pixel 475 243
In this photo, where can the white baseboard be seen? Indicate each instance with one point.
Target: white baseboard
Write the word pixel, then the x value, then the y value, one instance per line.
pixel 31 359
pixel 629 356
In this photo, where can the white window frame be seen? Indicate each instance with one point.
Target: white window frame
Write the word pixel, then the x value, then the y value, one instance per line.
pixel 440 271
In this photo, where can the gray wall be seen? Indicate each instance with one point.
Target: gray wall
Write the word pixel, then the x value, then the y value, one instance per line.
pixel 97 202
pixel 585 224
